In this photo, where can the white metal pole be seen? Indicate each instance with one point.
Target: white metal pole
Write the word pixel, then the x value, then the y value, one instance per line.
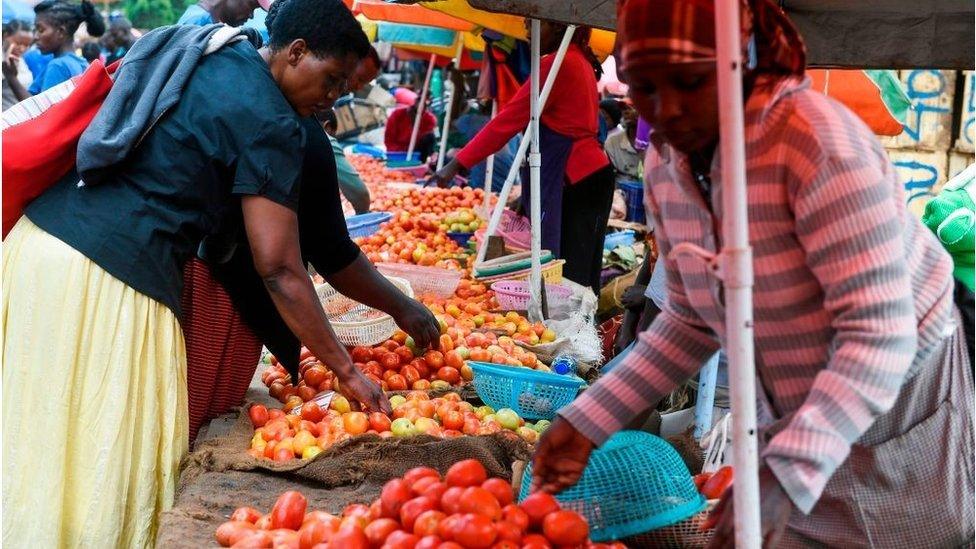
pixel 737 275
pixel 420 107
pixel 496 215
pixel 535 165
pixel 450 105
pixel 489 170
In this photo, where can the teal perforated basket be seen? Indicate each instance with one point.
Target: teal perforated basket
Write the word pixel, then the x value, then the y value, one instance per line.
pixel 634 483
pixel 533 394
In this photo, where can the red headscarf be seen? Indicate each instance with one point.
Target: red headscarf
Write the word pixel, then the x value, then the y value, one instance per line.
pixel 657 32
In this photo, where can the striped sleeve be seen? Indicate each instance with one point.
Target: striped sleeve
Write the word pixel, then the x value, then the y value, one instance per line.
pixel 672 349
pixel 849 224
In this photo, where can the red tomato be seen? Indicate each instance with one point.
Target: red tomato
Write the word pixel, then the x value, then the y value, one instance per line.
pixel 378 421
pixel 427 523
pixel 477 500
pixel 390 345
pixel 475 532
pixel 307 393
pixel 311 411
pixel 435 490
pixel 434 359
pixel 411 374
pixel 288 511
pixel 421 365
pixel 378 530
pixel 417 473
pixel 390 361
pixel 275 413
pixel 246 514
pixel 469 472
pixel 718 484
pixel 513 514
pixel 535 541
pixel 259 539
pixel 264 523
pixel 401 540
pixel 305 354
pixel 450 545
pixel 361 354
pixel 397 382
pixel 452 420
pixel 394 494
pixel 700 480
pixel 451 500
pixel 283 454
pixel 501 489
pixel 315 375
pixel 349 537
pixel 259 415
pixel 538 505
pixel 233 531
pixel 355 423
pixel 508 531
pixel 356 510
pixel 450 375
pixel 314 532
pixel 413 508
pixel 428 542
pixel 447 527
pixel 565 528
pixel 422 484
pixel 405 354
pixel 453 359
pixel 445 344
pixel 321 516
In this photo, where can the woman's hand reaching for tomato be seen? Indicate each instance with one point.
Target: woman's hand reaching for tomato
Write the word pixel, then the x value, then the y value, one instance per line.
pixel 417 320
pixel 444 176
pixel 358 388
pixel 774 504
pixel 560 457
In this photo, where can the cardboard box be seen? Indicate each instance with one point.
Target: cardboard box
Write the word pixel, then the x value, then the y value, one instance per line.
pixel 922 173
pixel 928 125
pixel 959 161
pixel 967 115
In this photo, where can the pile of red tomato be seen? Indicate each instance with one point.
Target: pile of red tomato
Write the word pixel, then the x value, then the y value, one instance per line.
pixel 421 510
pixel 303 432
pixel 416 239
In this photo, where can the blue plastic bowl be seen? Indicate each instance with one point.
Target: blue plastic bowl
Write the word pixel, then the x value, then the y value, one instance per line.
pixel 533 394
pixel 367 223
pixel 634 483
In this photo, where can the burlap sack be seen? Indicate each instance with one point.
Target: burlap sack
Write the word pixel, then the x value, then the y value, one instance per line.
pixel 220 476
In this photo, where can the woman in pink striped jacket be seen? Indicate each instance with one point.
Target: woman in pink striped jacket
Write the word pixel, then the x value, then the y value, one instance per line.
pixel 858 351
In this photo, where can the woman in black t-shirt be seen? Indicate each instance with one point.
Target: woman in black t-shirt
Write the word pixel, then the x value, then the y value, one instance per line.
pixel 94 367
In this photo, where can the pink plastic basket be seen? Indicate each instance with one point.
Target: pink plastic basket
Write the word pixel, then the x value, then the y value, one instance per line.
pixel 514 229
pixel 513 295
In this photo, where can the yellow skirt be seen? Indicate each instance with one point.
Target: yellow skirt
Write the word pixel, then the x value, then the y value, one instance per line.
pixel 94 400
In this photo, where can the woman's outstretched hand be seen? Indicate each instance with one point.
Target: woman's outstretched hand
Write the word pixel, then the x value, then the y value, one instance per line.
pixel 560 458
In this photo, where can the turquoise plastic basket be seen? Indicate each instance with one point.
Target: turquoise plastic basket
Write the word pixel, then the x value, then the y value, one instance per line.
pixel 533 394
pixel 634 483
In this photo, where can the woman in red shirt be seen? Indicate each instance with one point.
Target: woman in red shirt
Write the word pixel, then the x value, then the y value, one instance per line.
pixel 577 180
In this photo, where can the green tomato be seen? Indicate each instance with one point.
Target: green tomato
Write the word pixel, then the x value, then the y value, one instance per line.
pixel 397 400
pixel 508 418
pixel 403 427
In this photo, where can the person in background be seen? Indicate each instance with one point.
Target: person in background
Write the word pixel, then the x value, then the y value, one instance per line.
pixel 91 51
pixel 577 179
pixel 399 128
pixel 620 146
pixel 17 76
pixel 861 364
pixel 55 25
pixel 351 186
pixel 469 124
pixel 610 114
pixel 118 39
pixel 231 12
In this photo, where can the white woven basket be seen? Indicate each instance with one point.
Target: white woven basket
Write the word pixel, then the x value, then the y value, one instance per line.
pixel 424 280
pixel 355 323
